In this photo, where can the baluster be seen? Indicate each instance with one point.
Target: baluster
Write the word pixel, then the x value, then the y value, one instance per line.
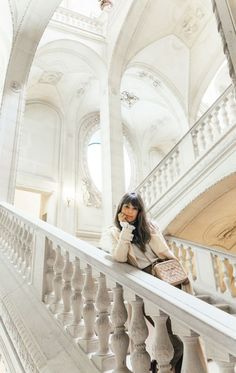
pixel 154 188
pixel 144 196
pixel 181 254
pixel 49 273
pixel 202 137
pixel 159 181
pixel 209 129
pixel 56 305
pixel 66 315
pixel 224 120
pixel 149 191
pixel 6 236
pixel 194 360
pixel 234 277
pixel 12 252
pixel 89 342
pixel 175 249
pixel 191 261
pixel 26 271
pixel 9 235
pixel 23 250
pixel 183 258
pixel 194 135
pixel 120 339
pixel 216 123
pixel 232 109
pixel 2 229
pixel 171 168
pixel 140 358
pixel 226 276
pixel 103 358
pixel 165 175
pixel 176 163
pixel 22 247
pixel 216 271
pixel 76 328
pixel 162 346
pixel 17 249
pixel 221 275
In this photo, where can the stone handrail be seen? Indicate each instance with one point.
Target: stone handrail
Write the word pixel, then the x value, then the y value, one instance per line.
pixel 193 146
pixel 211 270
pixel 74 281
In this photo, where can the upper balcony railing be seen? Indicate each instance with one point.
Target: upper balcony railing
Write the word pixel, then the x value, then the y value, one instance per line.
pixel 211 270
pixel 78 21
pixel 88 294
pixel 194 145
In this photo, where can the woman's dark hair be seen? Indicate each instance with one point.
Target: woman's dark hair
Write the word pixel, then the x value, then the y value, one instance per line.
pixel 142 231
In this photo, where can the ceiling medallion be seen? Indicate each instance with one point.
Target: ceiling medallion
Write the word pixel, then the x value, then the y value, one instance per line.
pixel 105 4
pixel 128 98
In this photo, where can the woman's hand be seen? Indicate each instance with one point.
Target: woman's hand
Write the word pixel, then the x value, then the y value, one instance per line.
pixel 122 217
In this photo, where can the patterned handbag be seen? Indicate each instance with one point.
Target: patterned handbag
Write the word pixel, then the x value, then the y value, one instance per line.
pixel 171 271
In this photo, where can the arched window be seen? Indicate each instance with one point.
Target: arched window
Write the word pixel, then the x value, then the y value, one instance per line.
pixel 95 161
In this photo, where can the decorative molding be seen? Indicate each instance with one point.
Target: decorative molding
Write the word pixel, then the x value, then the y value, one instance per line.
pixel 222 233
pixel 128 98
pixel 191 21
pixel 154 80
pixel 91 195
pixel 79 21
pixel 50 77
pixel 15 86
pixel 158 80
pixel 28 352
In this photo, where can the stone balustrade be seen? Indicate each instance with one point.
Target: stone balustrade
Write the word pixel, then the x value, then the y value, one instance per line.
pixel 99 303
pixel 206 133
pixel 209 269
pixel 79 21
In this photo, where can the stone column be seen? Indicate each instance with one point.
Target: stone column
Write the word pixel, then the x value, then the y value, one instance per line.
pixel 35 17
pixel 226 28
pixel 112 149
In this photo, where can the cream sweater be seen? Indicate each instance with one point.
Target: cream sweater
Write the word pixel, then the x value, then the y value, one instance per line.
pixel 122 250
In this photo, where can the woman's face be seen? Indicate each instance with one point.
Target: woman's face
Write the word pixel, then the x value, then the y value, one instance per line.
pixel 130 212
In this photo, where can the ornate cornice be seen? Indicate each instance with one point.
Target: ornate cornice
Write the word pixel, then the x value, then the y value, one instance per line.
pixel 28 352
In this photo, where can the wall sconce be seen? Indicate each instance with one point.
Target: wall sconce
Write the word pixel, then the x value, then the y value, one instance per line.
pixel 68 201
pixel 68 196
pixel 105 4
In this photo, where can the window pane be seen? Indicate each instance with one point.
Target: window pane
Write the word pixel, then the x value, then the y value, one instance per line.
pixel 95 161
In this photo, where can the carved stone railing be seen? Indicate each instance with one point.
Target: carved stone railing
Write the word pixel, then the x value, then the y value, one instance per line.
pixel 210 270
pixel 193 146
pixel 99 303
pixel 78 21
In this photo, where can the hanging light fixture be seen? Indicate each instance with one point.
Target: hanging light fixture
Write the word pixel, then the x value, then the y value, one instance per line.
pixel 105 3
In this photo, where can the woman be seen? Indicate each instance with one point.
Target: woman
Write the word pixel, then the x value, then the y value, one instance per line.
pixel 135 240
